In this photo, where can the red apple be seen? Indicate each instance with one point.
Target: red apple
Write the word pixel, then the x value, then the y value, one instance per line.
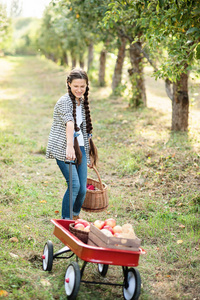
pixel 117 229
pixel 79 226
pixel 81 221
pixel 87 228
pixel 99 224
pixel 108 228
pixel 111 222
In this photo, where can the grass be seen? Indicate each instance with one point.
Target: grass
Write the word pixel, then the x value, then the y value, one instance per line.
pixel 152 174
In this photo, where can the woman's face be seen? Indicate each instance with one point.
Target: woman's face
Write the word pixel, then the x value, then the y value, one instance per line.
pixel 78 87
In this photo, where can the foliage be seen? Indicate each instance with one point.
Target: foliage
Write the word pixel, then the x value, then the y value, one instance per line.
pixel 25 35
pixel 174 27
pixel 5 29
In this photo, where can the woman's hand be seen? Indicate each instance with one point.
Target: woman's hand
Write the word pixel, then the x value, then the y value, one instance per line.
pixel 70 153
pixel 91 163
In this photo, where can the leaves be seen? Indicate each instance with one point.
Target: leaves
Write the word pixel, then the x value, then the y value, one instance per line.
pixel 3 293
pixel 179 242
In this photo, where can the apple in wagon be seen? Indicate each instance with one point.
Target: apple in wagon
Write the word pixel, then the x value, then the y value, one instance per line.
pixel 111 222
pixel 99 224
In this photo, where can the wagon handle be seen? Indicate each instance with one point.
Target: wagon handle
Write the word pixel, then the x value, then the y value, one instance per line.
pixel 100 181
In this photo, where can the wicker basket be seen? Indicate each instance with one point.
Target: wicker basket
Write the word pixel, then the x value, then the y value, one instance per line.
pixel 96 200
pixel 82 235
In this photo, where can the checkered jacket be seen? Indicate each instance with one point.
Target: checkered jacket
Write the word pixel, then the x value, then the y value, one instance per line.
pixel 57 142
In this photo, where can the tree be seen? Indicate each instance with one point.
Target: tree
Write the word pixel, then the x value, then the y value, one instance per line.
pixel 5 29
pixel 117 76
pixel 122 16
pixel 173 26
pixel 90 14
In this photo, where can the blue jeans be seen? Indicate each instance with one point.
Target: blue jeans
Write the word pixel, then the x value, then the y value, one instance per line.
pixel 79 182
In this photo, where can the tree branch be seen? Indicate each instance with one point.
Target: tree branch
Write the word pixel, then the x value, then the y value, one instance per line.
pixel 131 40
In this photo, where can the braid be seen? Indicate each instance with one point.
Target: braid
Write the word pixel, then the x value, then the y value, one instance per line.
pixel 87 111
pixel 77 149
pixel 74 107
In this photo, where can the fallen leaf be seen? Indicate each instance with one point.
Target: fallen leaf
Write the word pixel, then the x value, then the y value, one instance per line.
pixel 14 239
pixel 182 226
pixel 124 121
pixel 179 242
pixel 99 138
pixel 45 282
pixel 3 293
pixel 173 154
pixel 56 211
pixel 14 255
pixel 43 201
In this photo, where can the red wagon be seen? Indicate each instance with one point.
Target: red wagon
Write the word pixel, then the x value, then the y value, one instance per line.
pixel 103 257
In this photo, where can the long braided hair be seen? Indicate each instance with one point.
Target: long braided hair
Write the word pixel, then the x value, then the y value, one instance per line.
pixel 81 74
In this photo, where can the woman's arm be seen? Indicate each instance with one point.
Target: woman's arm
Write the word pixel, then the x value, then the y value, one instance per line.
pixel 70 152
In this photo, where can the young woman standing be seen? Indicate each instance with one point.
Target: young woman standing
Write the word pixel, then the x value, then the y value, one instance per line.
pixel 71 138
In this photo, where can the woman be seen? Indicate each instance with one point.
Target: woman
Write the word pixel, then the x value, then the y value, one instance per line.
pixel 71 138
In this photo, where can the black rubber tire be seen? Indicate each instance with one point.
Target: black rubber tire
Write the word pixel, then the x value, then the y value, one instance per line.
pixel 103 269
pixel 48 253
pixel 74 275
pixel 132 285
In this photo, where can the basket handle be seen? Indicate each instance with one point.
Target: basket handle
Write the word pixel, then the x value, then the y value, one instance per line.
pixel 100 181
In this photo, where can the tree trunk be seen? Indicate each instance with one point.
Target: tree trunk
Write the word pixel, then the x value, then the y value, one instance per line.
pixel 102 68
pixel 81 63
pixel 73 63
pixel 90 56
pixel 73 59
pixel 117 76
pixel 65 58
pixel 180 104
pixel 136 76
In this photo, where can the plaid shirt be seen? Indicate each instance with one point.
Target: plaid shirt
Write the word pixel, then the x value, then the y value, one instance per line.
pixel 57 143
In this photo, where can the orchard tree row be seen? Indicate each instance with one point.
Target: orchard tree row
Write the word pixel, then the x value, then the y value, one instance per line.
pixel 163 32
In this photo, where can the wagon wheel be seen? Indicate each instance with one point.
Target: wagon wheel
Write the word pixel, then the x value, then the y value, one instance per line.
pixel 47 256
pixel 132 284
pixel 72 280
pixel 103 269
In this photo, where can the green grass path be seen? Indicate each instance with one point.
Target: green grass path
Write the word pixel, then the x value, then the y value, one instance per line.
pixel 153 180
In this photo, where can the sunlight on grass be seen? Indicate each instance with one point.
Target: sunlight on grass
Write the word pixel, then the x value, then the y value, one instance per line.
pixel 152 176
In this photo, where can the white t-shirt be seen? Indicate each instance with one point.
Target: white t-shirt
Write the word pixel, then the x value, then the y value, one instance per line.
pixel 79 121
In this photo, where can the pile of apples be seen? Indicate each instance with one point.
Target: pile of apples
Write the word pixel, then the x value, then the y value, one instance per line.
pixel 108 227
pixel 82 225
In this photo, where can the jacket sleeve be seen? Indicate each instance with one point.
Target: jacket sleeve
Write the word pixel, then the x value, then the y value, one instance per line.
pixel 64 109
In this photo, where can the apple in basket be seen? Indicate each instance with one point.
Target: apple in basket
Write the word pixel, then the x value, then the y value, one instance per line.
pixel 87 228
pixel 99 224
pixel 81 221
pixel 79 226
